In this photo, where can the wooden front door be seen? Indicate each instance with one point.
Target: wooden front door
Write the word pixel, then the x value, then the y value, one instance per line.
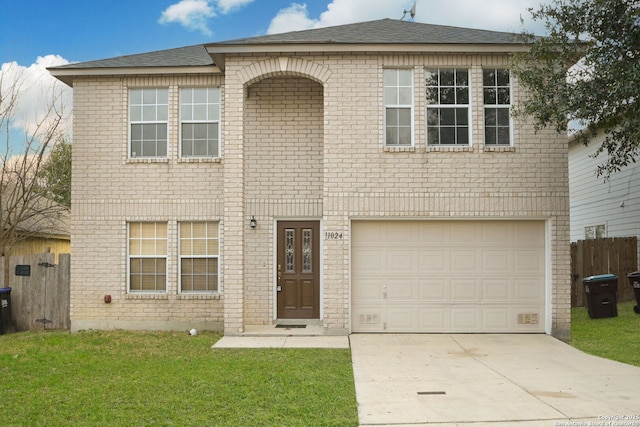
pixel 298 270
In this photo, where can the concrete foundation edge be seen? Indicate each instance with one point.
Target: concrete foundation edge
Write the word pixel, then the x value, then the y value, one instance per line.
pixel 149 325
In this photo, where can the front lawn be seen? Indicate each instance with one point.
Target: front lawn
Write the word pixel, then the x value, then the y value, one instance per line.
pixel 616 338
pixel 117 378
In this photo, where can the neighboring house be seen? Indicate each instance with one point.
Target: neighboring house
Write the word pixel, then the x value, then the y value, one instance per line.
pixel 45 228
pixel 38 243
pixel 364 177
pixel 599 207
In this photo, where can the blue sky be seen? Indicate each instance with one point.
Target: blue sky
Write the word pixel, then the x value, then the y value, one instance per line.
pixel 35 34
pixel 81 30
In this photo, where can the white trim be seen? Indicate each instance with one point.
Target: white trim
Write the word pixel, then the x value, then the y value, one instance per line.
pixel 351 47
pixel 469 106
pixel 549 285
pixel 410 106
pixel 508 107
pixel 67 75
pixel 180 256
pixel 131 122
pixel 217 121
pixel 128 259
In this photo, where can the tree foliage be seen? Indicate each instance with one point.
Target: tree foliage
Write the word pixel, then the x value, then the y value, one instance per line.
pixel 585 75
pixel 55 176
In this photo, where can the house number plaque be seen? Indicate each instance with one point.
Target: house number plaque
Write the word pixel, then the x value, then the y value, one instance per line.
pixel 332 235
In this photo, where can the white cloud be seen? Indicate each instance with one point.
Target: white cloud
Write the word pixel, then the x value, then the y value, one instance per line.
pixel 496 15
pixel 191 14
pixel 293 18
pixel 37 88
pixel 227 6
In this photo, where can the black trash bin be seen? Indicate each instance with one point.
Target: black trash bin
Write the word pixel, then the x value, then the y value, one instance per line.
pixel 634 281
pixel 601 292
pixel 6 322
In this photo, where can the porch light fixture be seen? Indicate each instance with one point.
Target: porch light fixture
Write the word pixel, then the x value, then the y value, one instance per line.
pixel 253 223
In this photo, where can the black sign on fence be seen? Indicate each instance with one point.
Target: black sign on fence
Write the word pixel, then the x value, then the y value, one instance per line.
pixel 23 270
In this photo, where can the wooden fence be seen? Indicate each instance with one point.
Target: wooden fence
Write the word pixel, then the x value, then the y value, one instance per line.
pixel 617 255
pixel 39 291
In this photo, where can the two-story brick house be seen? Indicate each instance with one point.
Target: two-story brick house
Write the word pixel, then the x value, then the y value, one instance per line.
pixel 365 178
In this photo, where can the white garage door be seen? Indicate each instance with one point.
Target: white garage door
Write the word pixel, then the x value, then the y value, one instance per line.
pixel 448 276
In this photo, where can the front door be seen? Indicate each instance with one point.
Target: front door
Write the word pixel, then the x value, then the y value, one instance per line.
pixel 298 270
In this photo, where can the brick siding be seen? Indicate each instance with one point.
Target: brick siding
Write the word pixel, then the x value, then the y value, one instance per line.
pixel 302 138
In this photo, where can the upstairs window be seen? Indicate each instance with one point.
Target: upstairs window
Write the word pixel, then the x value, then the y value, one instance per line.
pixel 147 256
pixel 447 101
pixel 148 118
pixel 497 107
pixel 200 122
pixel 398 104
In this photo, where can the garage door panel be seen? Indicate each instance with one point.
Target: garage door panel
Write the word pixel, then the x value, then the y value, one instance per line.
pixel 527 290
pixel 497 319
pixel 464 261
pixel 397 234
pixel 464 319
pixel 533 233
pixel 433 290
pixel 464 290
pixel 496 260
pixel 434 234
pixel 434 261
pixel 463 233
pixel 400 290
pixel 496 289
pixel 528 261
pixel 368 290
pixel 432 319
pixel 369 261
pixel 495 233
pixel 401 261
pixel 448 276
pixel 400 319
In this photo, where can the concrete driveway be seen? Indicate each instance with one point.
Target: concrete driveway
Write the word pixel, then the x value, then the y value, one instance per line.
pixel 524 380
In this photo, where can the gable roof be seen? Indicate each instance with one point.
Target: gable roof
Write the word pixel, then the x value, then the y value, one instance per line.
pixel 384 35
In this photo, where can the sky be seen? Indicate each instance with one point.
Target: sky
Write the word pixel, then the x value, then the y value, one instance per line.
pixel 35 34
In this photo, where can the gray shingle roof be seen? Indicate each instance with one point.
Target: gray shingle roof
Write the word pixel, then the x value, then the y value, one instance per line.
pixel 190 56
pixel 381 32
pixel 384 31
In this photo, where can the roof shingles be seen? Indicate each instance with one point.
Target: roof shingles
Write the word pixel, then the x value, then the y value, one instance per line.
pixel 380 32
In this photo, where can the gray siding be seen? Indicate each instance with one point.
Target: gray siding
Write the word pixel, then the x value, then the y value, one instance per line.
pixel 594 201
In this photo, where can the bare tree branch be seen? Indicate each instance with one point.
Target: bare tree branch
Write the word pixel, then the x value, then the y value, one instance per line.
pixel 25 211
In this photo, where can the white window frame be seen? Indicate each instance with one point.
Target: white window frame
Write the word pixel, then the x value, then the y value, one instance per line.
pixel 215 256
pixel 592 231
pixel 439 106
pixel 497 106
pixel 392 100
pixel 212 109
pixel 156 255
pixel 155 113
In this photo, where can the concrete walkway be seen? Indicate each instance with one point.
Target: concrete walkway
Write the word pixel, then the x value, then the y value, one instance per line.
pixel 476 380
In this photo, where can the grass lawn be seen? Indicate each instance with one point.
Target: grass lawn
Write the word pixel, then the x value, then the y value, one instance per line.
pixel 117 378
pixel 616 338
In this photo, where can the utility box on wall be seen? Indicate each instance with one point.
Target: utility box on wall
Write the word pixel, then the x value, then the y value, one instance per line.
pixel 23 270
